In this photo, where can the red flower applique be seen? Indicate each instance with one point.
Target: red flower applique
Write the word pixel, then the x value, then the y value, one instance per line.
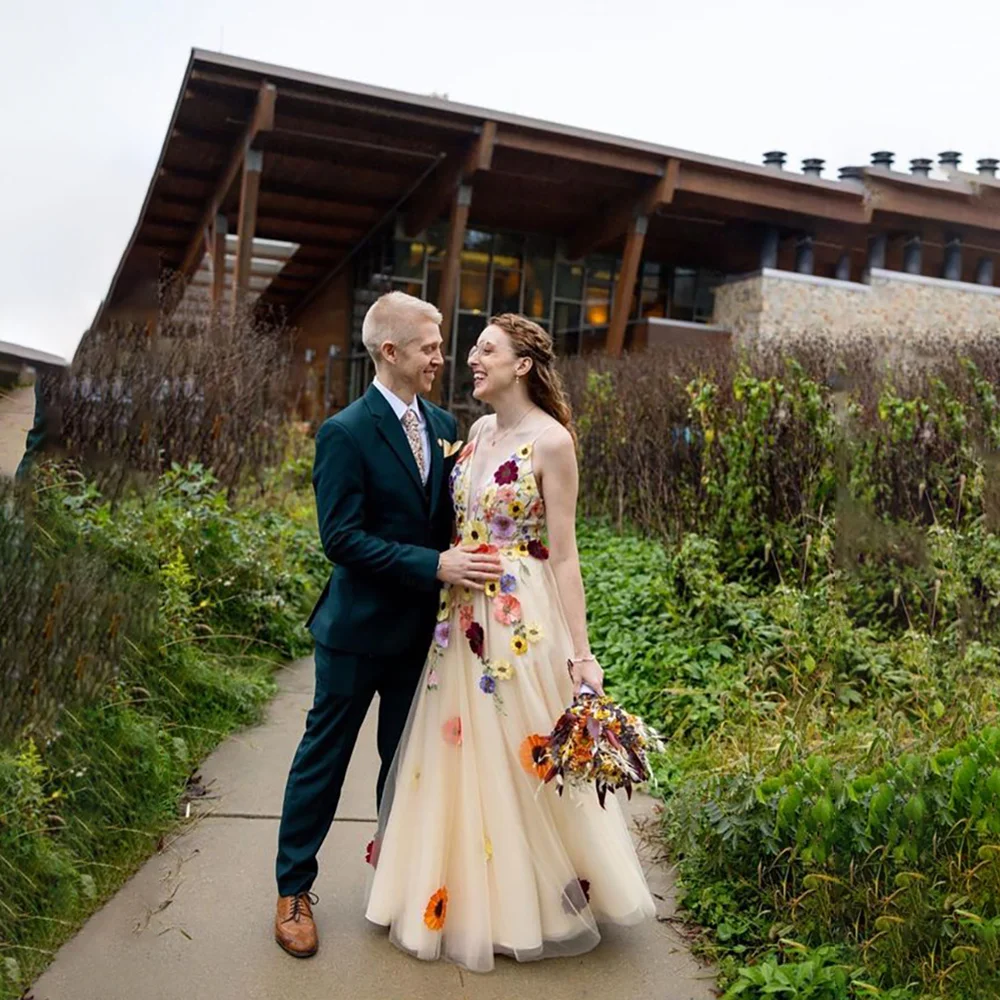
pixel 507 473
pixel 371 852
pixel 474 633
pixel 537 550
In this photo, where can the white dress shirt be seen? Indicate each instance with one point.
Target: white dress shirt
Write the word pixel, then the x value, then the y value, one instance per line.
pixel 400 408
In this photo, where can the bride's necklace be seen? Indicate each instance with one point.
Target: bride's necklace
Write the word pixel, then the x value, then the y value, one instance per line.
pixel 500 437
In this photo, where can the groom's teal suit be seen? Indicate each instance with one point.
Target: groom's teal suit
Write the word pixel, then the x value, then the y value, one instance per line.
pixel 383 530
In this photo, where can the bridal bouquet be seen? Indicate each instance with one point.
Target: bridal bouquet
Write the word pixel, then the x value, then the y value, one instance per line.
pixel 595 741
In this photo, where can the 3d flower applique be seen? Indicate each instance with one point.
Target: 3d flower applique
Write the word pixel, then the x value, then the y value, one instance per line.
pixel 442 634
pixel 487 684
pixel 537 550
pixel 502 670
pixel 492 588
pixel 508 583
pixel 444 604
pixel 533 755
pixel 437 909
pixel 504 527
pixel 475 533
pixel 433 681
pixel 465 617
pixel 534 633
pixel 524 451
pixel 451 731
pixel 519 645
pixel 507 473
pixel 507 609
pixel 474 633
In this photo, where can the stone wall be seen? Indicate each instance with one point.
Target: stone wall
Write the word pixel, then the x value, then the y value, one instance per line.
pixel 772 304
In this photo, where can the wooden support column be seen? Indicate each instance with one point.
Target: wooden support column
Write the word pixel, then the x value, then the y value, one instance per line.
pixel 626 285
pixel 262 120
pixel 451 269
pixel 249 192
pixel 219 231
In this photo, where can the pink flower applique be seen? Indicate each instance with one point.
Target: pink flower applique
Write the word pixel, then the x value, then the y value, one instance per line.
pixel 507 609
pixel 451 731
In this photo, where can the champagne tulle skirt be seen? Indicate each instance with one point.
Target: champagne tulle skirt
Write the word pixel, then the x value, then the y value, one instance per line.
pixel 474 855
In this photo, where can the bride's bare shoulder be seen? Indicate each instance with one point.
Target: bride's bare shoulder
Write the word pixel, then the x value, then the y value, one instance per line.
pixel 554 439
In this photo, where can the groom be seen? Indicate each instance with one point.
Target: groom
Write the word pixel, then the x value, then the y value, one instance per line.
pixel 385 518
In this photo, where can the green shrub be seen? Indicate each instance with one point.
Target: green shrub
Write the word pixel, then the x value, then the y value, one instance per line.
pixel 828 786
pixel 185 599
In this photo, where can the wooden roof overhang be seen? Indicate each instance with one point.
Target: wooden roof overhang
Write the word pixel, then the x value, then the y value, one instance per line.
pixel 340 159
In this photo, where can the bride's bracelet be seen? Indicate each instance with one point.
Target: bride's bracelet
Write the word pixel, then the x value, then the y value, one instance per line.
pixel 583 659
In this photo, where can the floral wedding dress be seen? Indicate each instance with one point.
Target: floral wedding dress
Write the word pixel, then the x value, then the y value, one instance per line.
pixel 474 854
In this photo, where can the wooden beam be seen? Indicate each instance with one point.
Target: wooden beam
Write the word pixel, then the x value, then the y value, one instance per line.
pixel 625 285
pixel 609 224
pixel 451 266
pixel 594 153
pixel 249 190
pixel 219 230
pixel 261 120
pixel 957 210
pixel 785 195
pixel 426 118
pixel 430 203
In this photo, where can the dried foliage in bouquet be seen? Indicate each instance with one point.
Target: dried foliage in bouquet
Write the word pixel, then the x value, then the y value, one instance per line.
pixel 596 742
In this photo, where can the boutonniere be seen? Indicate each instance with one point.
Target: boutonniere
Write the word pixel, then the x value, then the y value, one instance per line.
pixel 450 447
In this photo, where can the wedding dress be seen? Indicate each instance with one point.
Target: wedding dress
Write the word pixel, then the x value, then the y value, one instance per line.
pixel 474 854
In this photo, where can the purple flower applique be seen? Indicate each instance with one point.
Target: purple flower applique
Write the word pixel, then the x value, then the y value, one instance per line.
pixel 442 634
pixel 508 583
pixel 504 527
pixel 488 684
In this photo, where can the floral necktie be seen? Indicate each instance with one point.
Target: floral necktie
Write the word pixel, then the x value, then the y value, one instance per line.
pixel 411 424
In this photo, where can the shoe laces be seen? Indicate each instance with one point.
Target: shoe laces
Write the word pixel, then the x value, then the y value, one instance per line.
pixel 300 905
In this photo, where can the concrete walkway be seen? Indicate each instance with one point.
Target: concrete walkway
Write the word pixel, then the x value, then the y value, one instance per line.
pixel 196 921
pixel 17 414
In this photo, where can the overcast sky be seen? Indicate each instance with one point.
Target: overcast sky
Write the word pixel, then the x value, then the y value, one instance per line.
pixel 87 89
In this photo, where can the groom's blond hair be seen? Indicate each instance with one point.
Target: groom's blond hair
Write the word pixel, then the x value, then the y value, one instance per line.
pixel 392 319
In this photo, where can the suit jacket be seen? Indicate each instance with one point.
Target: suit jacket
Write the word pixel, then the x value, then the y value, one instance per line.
pixel 381 528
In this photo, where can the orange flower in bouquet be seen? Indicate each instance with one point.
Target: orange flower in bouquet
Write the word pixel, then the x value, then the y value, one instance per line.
pixel 595 741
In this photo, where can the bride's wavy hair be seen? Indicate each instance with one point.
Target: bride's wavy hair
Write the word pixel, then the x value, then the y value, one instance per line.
pixel 545 385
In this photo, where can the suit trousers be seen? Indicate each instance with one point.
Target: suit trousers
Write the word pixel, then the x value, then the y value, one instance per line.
pixel 345 686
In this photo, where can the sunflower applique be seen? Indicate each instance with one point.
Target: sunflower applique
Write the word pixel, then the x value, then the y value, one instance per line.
pixel 437 909
pixel 533 755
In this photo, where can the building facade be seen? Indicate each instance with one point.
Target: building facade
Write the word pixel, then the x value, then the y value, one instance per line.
pixel 306 197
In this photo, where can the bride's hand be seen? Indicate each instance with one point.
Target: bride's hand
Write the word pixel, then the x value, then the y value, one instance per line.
pixel 587 671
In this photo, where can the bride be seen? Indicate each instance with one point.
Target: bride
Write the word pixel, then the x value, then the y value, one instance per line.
pixel 474 855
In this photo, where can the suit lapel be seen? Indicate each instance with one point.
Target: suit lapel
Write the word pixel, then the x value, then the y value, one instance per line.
pixel 437 456
pixel 392 431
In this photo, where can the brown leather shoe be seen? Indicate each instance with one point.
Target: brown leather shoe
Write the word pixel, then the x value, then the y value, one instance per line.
pixel 294 927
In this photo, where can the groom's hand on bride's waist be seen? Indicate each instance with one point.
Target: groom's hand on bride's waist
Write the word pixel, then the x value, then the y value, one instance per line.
pixel 464 566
